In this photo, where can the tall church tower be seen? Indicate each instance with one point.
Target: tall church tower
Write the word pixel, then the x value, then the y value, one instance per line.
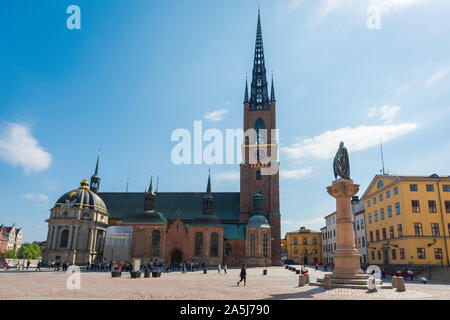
pixel 259 169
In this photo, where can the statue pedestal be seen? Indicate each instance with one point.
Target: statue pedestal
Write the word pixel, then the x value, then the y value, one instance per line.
pixel 346 257
pixel 347 271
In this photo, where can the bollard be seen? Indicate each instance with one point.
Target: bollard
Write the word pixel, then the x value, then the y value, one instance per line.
pixel 401 284
pixel 301 280
pixel 394 282
pixel 297 271
pixel 306 275
pixel 327 282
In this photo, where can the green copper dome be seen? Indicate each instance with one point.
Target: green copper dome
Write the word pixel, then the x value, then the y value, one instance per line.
pixel 258 221
pixel 82 197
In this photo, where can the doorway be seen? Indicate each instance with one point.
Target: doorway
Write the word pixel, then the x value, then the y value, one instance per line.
pixel 176 257
pixel 385 256
pixel 305 260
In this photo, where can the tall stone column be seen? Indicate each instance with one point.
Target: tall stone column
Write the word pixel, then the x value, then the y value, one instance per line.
pixel 346 257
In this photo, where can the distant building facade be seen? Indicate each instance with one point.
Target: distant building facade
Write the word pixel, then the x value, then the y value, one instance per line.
pixel 329 238
pixel 10 238
pixel 359 226
pixel 408 219
pixel 304 246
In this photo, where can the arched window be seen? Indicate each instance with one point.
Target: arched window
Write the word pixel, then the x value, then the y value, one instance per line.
pixel 198 246
pixel 265 248
pixel 214 248
pixel 260 129
pixel 228 250
pixel 305 241
pixel 258 175
pixel 64 239
pixel 252 245
pixel 156 239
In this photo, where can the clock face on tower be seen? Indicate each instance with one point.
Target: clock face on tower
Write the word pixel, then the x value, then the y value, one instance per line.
pixel 260 154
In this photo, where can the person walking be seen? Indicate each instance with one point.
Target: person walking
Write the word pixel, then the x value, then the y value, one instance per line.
pixel 410 274
pixel 243 275
pixel 219 268
pixel 225 268
pixel 38 268
pixel 316 266
pixel 28 264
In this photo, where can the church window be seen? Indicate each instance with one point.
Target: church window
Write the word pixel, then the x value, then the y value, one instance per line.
pixel 156 239
pixel 214 249
pixel 198 247
pixel 228 250
pixel 252 245
pixel 258 175
pixel 64 239
pixel 265 248
pixel 260 129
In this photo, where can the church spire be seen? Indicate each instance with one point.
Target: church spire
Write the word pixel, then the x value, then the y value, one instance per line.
pixel 95 179
pixel 259 98
pixel 150 196
pixel 246 90
pixel 208 199
pixel 272 91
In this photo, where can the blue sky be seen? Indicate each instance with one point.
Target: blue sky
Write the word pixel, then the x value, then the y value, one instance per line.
pixel 137 70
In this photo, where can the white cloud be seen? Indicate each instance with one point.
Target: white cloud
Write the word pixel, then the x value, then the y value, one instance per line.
pixel 403 90
pixel 438 76
pixel 388 5
pixel 36 197
pixel 326 7
pixel 384 114
pixel 296 174
pixel 325 145
pixel 216 116
pixel 294 5
pixel 228 176
pixel 19 147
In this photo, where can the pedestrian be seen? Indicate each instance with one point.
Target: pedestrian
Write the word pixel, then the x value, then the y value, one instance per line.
pixel 383 273
pixel 410 274
pixel 225 268
pixel 304 270
pixel 243 275
pixel 423 279
pixel 38 268
pixel 5 265
pixel 316 266
pixel 325 267
pixel 28 264
pixel 219 269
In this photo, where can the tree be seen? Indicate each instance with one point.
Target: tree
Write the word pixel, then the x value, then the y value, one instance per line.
pixel 33 251
pixel 9 254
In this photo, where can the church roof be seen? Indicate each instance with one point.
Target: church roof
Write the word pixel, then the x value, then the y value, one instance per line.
pixel 190 204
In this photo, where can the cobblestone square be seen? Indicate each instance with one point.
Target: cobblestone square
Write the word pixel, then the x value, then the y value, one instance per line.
pixel 279 284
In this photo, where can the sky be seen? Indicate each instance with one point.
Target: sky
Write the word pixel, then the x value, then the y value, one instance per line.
pixel 361 71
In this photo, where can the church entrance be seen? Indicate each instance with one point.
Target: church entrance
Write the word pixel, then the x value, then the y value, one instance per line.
pixel 176 257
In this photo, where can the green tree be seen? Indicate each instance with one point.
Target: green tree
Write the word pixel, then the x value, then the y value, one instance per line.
pixel 33 251
pixel 9 254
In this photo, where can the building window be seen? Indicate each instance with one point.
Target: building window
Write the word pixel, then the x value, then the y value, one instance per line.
pixel 379 255
pixel 391 232
pixel 198 246
pixel 389 211
pixel 438 253
pixel 258 175
pixel 421 253
pixel 371 236
pixel 156 239
pixel 228 250
pixel 397 208
pixel 380 184
pixel 334 233
pixel 447 206
pixel 396 190
pixel 413 187
pixel 374 200
pixel 432 206
pixel 435 229
pixel 295 241
pixel 253 245
pixel 377 235
pixel 265 247
pixel 415 206
pixel 64 239
pixel 418 229
pixel 369 216
pixel 260 129
pixel 314 241
pixel 400 230
pixel 382 213
pixel 362 224
pixel 394 254
pixel 214 247
pixel 368 203
pixel 430 187
pixel 375 216
pixel 402 253
pixel 305 241
pixel 372 255
pixel 388 194
pixel 380 197
pixel 357 224
pixel 446 187
pixel 363 241
pixel 384 233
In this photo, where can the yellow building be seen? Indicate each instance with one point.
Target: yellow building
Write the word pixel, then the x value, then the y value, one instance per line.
pixel 408 219
pixel 304 246
pixel 283 249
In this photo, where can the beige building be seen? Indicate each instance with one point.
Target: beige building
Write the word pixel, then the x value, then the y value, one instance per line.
pixel 77 227
pixel 12 236
pixel 303 246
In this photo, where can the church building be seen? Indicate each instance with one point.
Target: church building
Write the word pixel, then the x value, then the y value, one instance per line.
pixel 200 227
